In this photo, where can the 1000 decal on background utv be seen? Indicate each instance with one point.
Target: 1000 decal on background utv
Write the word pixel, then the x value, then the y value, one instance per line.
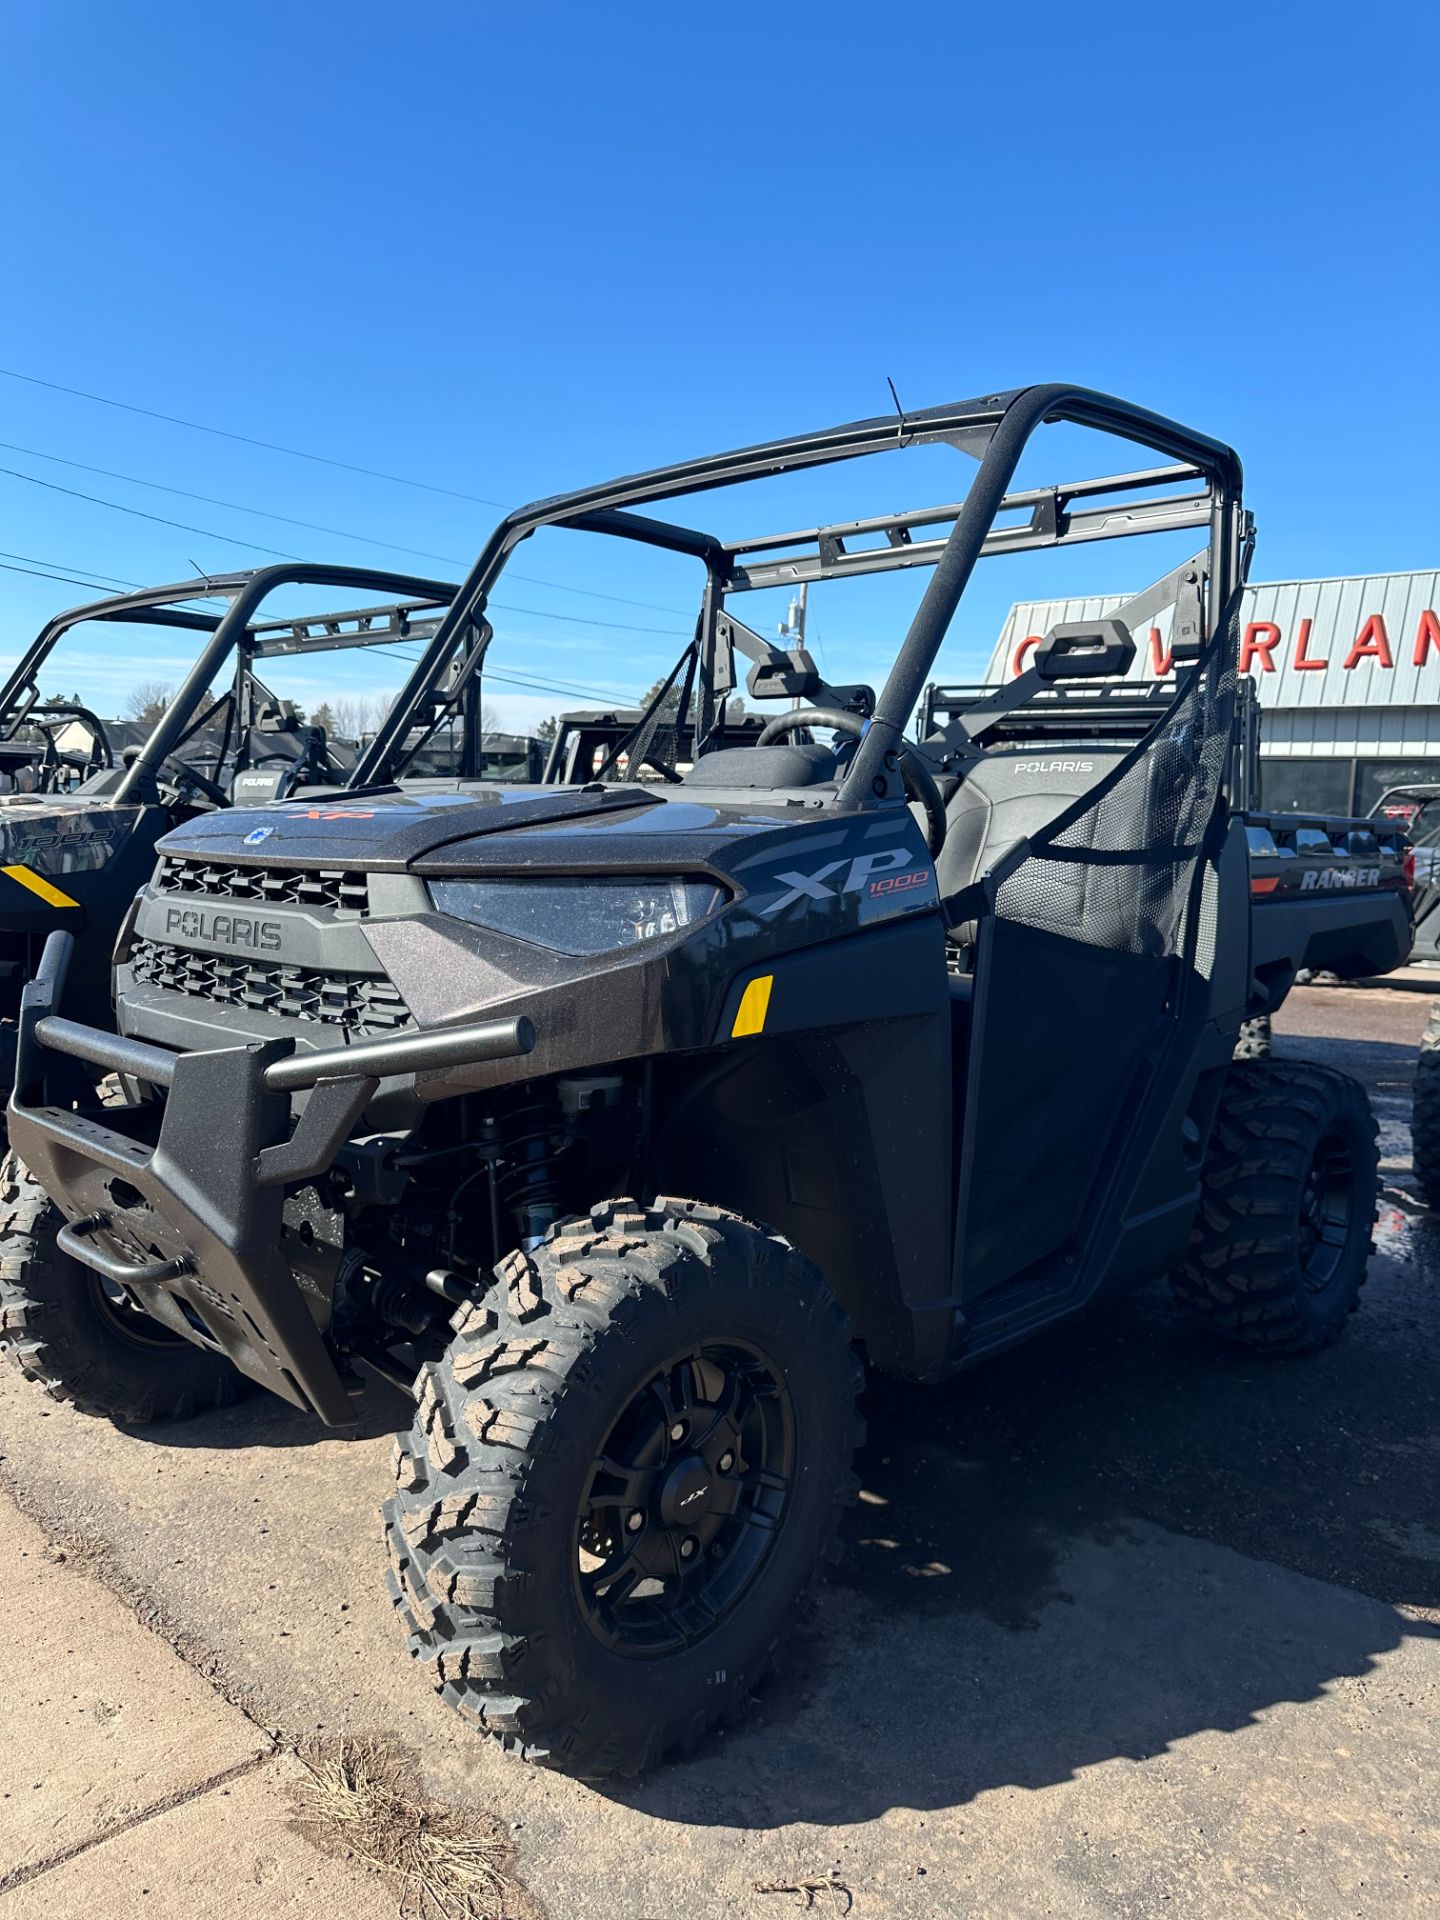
pixel 905 1049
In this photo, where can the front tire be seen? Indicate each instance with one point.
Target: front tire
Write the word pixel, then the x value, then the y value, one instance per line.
pixel 82 1342
pixel 1281 1238
pixel 623 1478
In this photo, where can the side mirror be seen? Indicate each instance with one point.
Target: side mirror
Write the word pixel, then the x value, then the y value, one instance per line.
pixel 792 675
pixel 1085 650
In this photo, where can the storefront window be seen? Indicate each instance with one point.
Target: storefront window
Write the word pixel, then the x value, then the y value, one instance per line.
pixel 1305 786
pixel 1377 775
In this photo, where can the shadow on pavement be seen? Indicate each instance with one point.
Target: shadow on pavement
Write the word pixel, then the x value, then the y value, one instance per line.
pixel 1088 1550
pixel 262 1420
pixel 1114 1539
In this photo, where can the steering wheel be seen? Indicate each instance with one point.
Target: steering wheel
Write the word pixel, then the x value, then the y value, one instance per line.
pixel 192 776
pixel 919 781
pixel 295 766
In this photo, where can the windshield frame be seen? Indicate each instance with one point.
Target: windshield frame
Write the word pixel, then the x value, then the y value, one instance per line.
pixel 413 609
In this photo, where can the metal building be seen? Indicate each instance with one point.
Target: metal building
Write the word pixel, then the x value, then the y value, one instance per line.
pixel 1347 671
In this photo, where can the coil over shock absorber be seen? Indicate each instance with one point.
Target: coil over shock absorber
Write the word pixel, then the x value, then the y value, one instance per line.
pixel 525 1180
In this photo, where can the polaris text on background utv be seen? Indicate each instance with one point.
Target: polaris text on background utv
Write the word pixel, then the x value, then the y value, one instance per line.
pixel 905 1080
pixel 74 858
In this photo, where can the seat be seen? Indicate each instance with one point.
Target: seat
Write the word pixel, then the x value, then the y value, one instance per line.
pixel 768 769
pixel 1007 798
pixel 256 786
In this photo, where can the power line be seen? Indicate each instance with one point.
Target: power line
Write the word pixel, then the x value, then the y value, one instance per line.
pixel 70 579
pixel 610 697
pixel 312 526
pixel 105 579
pixel 572 688
pixel 207 533
pixel 279 553
pixel 585 620
pixel 270 446
pixel 233 506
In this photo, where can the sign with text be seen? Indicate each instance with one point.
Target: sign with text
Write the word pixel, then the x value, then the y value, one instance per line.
pixel 1368 640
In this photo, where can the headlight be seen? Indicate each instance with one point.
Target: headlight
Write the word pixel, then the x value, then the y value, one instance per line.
pixel 571 914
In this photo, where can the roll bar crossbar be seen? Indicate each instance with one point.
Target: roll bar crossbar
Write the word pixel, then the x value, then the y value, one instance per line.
pixel 993 429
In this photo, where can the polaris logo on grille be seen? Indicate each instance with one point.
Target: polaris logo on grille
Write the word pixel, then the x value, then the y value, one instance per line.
pixel 225 929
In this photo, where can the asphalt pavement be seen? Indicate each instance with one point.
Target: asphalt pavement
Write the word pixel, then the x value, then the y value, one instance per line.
pixel 1130 1625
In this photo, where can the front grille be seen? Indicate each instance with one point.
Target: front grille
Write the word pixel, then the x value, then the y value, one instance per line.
pixel 358 1003
pixel 339 887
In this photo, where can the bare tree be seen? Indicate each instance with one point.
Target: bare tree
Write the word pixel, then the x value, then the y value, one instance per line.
pixel 353 715
pixel 146 702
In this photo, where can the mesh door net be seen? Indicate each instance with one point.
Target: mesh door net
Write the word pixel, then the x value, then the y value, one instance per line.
pixel 1115 869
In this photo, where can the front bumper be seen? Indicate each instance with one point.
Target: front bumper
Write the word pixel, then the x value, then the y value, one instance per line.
pixel 180 1199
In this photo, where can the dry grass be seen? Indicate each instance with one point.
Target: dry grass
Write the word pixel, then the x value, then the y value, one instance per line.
pixel 838 1899
pixel 444 1864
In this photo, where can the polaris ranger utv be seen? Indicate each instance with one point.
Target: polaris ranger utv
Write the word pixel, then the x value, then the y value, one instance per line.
pixel 72 855
pixel 904 1051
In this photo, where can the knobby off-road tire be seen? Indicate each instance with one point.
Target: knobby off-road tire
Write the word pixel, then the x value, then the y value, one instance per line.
pixel 1425 1112
pixel 62 1328
pixel 1280 1242
pixel 620 1338
pixel 1254 1041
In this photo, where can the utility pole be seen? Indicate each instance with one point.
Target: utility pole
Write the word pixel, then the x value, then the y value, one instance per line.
pixel 792 627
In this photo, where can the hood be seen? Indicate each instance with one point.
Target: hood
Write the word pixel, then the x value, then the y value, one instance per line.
pixel 385 830
pixel 450 830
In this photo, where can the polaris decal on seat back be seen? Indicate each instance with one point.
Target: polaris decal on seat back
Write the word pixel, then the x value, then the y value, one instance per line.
pixel 1054 766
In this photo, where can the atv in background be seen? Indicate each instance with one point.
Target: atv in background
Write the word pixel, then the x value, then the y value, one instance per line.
pixel 74 852
pixel 595 745
pixel 509 759
pixel 908 1050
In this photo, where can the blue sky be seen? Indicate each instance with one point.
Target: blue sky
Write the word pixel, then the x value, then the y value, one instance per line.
pixel 511 250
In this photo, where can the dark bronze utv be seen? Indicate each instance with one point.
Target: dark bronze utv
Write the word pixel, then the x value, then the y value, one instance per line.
pixel 907 1050
pixel 76 846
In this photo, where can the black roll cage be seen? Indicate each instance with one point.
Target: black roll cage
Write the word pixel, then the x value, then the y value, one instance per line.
pixel 415 615
pixel 994 430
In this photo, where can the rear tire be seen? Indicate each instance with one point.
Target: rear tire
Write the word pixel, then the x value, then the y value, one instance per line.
pixel 1281 1239
pixel 649 1339
pixel 1254 1041
pixel 60 1326
pixel 1425 1113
